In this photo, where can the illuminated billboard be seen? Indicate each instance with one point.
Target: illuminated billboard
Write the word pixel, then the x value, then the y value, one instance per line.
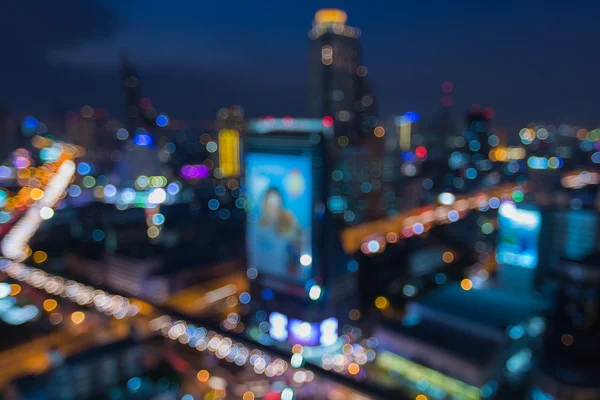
pixel 229 152
pixel 295 331
pixel 279 210
pixel 519 236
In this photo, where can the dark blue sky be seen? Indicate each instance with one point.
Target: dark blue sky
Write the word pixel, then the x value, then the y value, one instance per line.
pixel 531 62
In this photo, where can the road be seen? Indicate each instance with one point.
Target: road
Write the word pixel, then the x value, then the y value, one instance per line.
pixel 354 237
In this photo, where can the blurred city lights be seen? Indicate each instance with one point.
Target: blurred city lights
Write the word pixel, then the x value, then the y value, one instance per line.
pixel 448 228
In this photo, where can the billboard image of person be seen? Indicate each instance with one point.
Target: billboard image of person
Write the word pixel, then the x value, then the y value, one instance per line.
pixel 518 242
pixel 279 231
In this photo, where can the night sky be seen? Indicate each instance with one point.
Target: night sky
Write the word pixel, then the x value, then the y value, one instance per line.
pixel 531 62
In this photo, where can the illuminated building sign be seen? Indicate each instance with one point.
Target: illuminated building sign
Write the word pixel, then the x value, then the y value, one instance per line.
pixel 229 152
pixel 295 331
pixel 404 132
pixel 195 171
pixel 337 204
pixel 142 140
pixel 403 127
pixel 334 21
pixel 329 332
pixel 304 333
pixel 330 16
pixel 279 208
pixel 507 154
pixel 288 124
pixel 278 326
pixel 519 236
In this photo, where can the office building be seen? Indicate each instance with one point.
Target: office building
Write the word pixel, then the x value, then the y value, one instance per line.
pixel 533 239
pixel 139 139
pixel 84 375
pixel 469 162
pixel 299 271
pixel 229 145
pixel 341 95
pixel 458 344
pixel 339 89
pixel 571 363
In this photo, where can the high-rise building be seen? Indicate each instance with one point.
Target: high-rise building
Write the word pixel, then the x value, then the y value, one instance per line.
pixel 292 241
pixel 439 138
pixel 139 111
pixel 139 149
pixel 458 344
pixel 87 373
pixel 131 91
pixel 338 83
pixel 341 96
pixel 230 122
pixel 469 161
pixel 533 240
pixel 570 366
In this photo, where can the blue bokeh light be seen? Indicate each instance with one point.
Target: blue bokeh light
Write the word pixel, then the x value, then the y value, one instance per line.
pixel 84 168
pixel 142 140
pixel 134 384
pixel 30 123
pixel 162 120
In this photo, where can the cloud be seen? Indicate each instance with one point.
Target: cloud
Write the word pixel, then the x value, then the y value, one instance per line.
pixel 31 28
pixel 148 51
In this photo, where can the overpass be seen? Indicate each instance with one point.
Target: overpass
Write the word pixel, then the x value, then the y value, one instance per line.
pixel 420 220
pixel 155 319
pixel 401 225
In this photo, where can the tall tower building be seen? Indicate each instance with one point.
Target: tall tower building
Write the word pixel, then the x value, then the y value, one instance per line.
pixel 341 96
pixel 570 367
pixel 141 115
pixel 470 156
pixel 230 122
pixel 338 84
pixel 131 91
pixel 139 149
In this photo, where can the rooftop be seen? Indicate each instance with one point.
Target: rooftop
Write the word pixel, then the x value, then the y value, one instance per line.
pixel 330 16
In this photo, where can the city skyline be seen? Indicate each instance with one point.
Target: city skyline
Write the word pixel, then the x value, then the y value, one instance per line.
pixel 393 201
pixel 204 57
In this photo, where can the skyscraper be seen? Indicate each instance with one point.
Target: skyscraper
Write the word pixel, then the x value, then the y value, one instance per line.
pixel 469 162
pixel 338 84
pixel 131 91
pixel 230 122
pixel 140 156
pixel 139 111
pixel 570 367
pixel 341 96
